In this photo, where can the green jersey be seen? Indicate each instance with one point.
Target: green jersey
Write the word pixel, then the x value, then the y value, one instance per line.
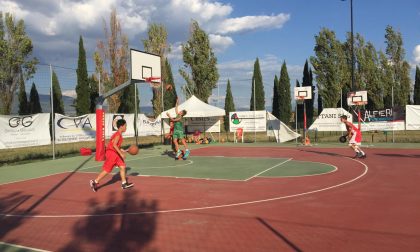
pixel 178 126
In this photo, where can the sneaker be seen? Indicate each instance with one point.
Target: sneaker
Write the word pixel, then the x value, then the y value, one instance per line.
pixel 359 155
pixel 187 153
pixel 126 185
pixel 178 153
pixel 363 156
pixel 93 185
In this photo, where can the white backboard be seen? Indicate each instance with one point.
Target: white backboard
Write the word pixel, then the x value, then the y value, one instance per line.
pixel 305 92
pixel 144 65
pixel 357 98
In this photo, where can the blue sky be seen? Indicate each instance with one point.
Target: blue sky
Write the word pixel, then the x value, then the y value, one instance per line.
pixel 240 31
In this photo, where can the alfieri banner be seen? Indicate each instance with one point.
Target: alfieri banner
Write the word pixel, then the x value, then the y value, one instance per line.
pixel 381 119
pixel 24 131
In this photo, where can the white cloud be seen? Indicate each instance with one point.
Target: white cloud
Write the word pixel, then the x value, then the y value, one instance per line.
pixel 200 9
pixel 176 51
pixel 70 93
pixel 250 23
pixel 220 43
pixel 416 54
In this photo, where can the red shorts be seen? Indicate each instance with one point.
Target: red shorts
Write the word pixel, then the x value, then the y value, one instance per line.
pixel 112 159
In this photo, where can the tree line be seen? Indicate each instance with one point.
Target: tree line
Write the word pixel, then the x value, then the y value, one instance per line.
pixel 328 72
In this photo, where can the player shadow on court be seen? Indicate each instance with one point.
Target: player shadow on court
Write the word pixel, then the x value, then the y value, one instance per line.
pixel 122 222
pixel 169 153
pixel 326 153
pixel 11 204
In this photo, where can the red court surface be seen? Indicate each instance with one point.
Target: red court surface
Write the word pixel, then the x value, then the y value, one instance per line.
pixel 367 205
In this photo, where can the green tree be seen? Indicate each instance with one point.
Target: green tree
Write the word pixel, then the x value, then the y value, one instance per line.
pixel 299 111
pixel 275 106
pixel 34 103
pixel 400 67
pixel 23 99
pixel 320 107
pixel 284 95
pixel 259 88
pixel 329 65
pixel 156 43
pixel 169 96
pixel 94 92
pixel 82 101
pixel 416 96
pixel 57 95
pixel 111 59
pixel 127 101
pixel 386 78
pixel 229 105
pixel 307 82
pixel 200 69
pixel 16 62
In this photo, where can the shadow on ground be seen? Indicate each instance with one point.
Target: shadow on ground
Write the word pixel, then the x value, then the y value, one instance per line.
pixel 115 226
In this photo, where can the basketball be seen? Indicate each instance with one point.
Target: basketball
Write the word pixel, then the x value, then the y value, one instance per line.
pixel 133 149
pixel 343 139
pixel 168 87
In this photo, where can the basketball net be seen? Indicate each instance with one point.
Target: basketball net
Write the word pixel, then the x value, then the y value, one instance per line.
pixel 300 99
pixel 359 117
pixel 154 82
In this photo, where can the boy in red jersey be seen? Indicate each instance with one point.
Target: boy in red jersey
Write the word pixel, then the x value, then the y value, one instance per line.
pixel 114 156
pixel 355 137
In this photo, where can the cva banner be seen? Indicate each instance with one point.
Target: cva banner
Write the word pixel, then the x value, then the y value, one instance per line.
pixel 24 131
pixel 75 129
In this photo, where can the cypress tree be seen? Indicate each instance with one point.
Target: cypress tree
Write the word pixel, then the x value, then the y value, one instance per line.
pixel 94 92
pixel 416 98
pixel 57 95
pixel 23 99
pixel 169 98
pixel 82 87
pixel 127 100
pixel 229 105
pixel 319 103
pixel 299 110
pixel 275 106
pixel 284 95
pixel 259 88
pixel 307 82
pixel 34 103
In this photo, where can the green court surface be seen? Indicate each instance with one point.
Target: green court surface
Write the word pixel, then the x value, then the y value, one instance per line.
pixel 7 247
pixel 154 163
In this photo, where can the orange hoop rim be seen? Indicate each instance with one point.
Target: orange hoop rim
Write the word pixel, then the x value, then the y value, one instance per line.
pixel 153 82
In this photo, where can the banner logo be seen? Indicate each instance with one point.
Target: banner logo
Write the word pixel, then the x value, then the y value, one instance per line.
pixel 235 119
pixel 25 121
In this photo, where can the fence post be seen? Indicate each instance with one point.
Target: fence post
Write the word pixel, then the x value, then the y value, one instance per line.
pixel 52 113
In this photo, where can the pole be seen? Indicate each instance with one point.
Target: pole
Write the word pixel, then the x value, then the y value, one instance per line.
pixel 255 132
pixel 392 102
pixel 304 122
pixel 135 114
pixel 52 113
pixel 296 120
pixel 341 106
pixel 352 46
pixel 163 109
pixel 218 105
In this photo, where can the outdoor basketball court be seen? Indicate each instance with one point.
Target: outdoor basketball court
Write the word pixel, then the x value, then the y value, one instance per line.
pixel 224 198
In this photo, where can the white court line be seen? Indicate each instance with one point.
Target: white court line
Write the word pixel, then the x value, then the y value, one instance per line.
pixel 23 247
pixel 200 208
pixel 57 173
pixel 299 176
pixel 176 177
pixel 256 175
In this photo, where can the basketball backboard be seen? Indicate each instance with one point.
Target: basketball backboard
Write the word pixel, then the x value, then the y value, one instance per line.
pixel 303 93
pixel 357 98
pixel 145 65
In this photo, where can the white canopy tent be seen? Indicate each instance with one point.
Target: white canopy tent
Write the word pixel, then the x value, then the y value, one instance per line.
pixel 196 108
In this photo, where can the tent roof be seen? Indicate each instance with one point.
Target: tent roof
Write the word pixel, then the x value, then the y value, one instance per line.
pixel 196 108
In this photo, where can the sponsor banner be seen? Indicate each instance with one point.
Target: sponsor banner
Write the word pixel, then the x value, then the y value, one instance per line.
pixel 111 124
pixel 75 129
pixel 149 126
pixel 412 117
pixel 249 121
pixel 24 131
pixel 203 124
pixel 279 130
pixel 382 119
pixel 329 120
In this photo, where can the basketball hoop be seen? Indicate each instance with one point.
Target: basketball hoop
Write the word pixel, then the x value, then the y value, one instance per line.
pixel 300 99
pixel 359 103
pixel 153 82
